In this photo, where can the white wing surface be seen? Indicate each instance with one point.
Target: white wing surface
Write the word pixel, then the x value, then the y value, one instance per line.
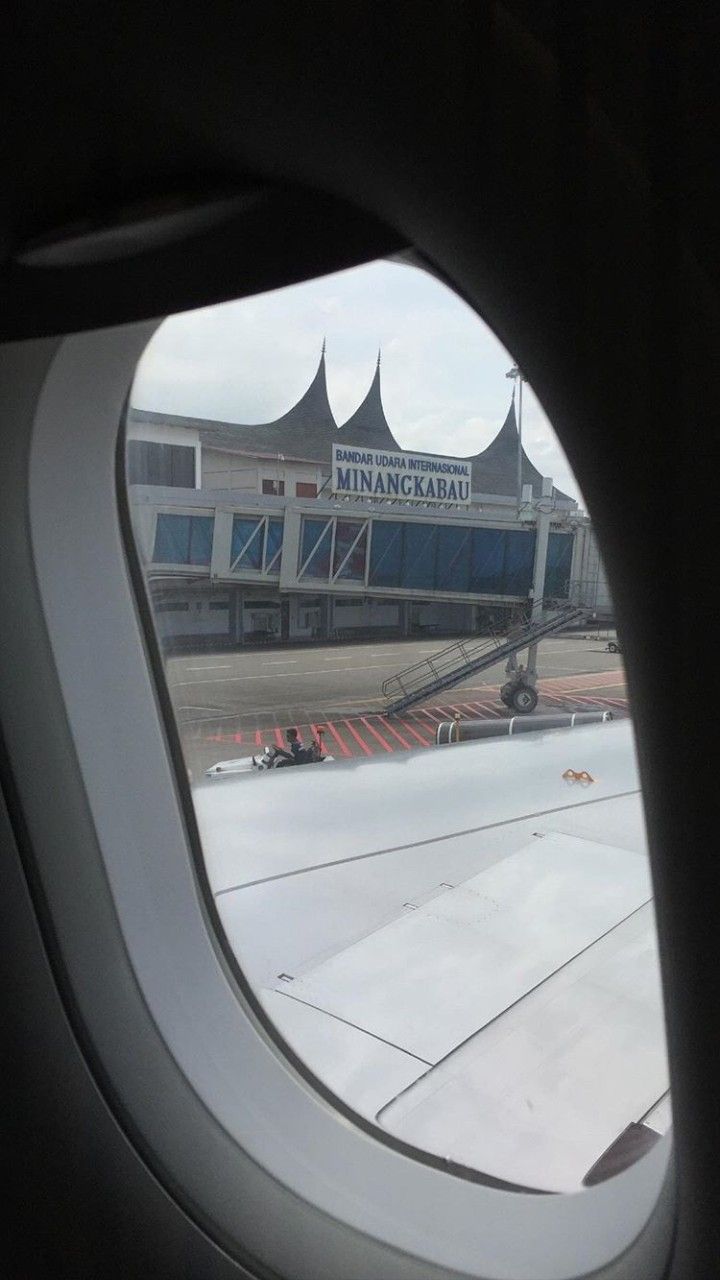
pixel 459 943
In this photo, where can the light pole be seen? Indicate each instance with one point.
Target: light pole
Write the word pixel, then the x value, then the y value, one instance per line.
pixel 518 379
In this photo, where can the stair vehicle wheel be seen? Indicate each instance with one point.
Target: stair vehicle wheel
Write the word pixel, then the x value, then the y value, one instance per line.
pixel 524 699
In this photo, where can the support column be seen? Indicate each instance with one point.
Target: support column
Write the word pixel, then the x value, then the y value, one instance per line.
pixel 236 615
pixel 542 538
pixel 240 616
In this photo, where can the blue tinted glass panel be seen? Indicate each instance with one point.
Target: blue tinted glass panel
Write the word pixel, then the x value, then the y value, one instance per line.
pixel 350 566
pixel 487 560
pixel 172 540
pixel 316 543
pixel 201 536
pixel 453 559
pixel 274 544
pixel 247 534
pixel 418 571
pixel 386 553
pixel 559 561
pixel 519 558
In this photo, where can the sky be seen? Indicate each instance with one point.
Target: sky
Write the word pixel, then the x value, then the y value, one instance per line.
pixel 443 371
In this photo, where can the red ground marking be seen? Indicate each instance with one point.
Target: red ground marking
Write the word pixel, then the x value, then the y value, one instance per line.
pixel 600 680
pixel 421 735
pixel 258 738
pixel 473 707
pixel 423 711
pixel 357 738
pixel 391 729
pixel 493 711
pixel 342 745
pixel 423 741
pixel 383 741
pixel 279 741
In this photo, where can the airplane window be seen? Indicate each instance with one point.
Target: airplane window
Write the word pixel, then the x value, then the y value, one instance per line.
pixel 405 720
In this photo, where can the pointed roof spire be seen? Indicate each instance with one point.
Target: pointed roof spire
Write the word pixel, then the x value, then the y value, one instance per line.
pixel 494 469
pixel 307 430
pixel 368 427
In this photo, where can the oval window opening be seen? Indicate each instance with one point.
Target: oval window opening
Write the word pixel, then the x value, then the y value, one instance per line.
pixel 392 657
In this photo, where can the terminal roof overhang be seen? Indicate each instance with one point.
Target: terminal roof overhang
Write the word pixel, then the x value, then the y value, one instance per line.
pixel 308 430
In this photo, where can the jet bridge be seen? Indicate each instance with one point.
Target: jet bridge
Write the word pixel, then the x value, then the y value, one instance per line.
pixel 452 665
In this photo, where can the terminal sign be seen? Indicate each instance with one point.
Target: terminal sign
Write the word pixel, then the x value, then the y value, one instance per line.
pixel 407 477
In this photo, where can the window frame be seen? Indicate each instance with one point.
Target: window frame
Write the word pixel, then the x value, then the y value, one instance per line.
pixel 183 512
pixel 334 1190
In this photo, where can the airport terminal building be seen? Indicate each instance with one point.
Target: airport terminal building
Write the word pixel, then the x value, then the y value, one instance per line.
pixel 301 529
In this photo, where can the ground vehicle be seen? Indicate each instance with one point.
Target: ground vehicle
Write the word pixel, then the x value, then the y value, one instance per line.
pixel 269 759
pixel 445 170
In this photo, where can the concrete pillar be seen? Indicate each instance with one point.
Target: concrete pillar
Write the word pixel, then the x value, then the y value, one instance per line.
pixel 324 627
pixel 541 548
pixel 236 615
pixel 542 538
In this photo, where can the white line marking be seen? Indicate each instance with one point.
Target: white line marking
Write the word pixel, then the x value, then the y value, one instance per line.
pixel 275 675
pixel 220 666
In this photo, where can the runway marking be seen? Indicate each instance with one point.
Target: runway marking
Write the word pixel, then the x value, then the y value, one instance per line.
pixel 275 675
pixel 391 729
pixel 340 741
pixel 382 731
pixel 220 666
pixel 424 742
pixel 383 741
pixel 371 733
pixel 423 729
pixel 490 710
pixel 363 745
pixel 425 711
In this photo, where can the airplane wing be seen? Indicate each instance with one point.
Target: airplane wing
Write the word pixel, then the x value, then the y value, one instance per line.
pixel 460 944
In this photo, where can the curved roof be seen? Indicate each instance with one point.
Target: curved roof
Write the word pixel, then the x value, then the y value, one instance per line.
pixel 368 427
pixel 308 429
pixel 305 431
pixel 494 470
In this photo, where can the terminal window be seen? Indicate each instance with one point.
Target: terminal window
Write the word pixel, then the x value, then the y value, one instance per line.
pixel 183 539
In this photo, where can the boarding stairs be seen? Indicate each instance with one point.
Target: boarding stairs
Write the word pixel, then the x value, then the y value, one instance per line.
pixel 452 665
